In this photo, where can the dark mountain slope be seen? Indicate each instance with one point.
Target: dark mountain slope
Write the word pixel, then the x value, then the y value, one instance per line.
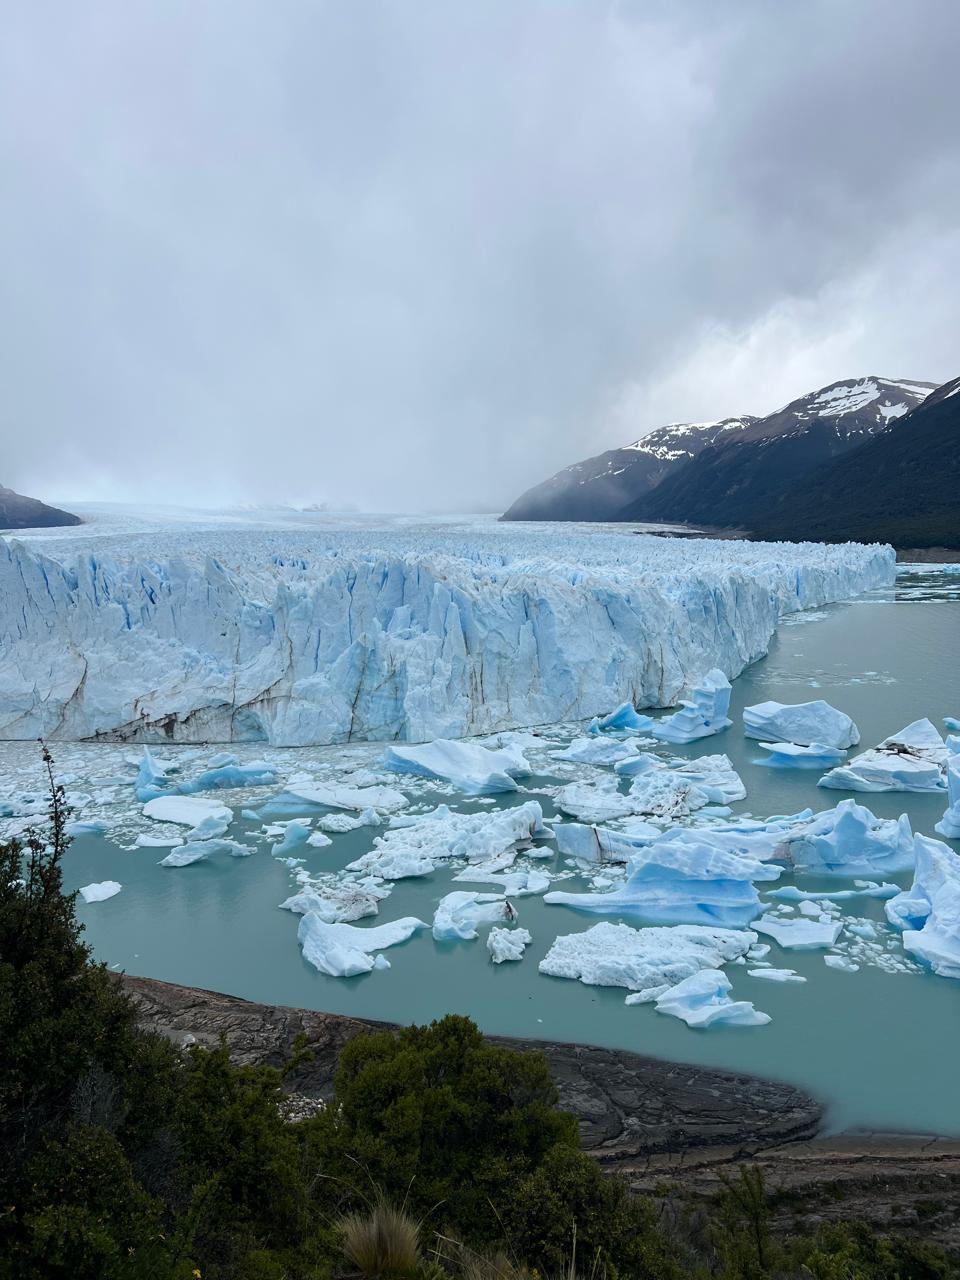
pixel 736 481
pixel 18 512
pixel 901 487
pixel 598 487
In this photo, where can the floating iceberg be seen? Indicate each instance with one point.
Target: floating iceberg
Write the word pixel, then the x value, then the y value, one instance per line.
pixel 929 911
pixel 912 760
pixel 295 835
pixel 646 961
pixel 342 796
pixel 189 811
pixel 472 768
pixel 100 892
pixel 346 901
pixel 659 790
pixel 597 751
pixel 342 950
pixel 231 774
pixel 949 824
pixel 600 844
pixel 801 934
pixel 200 850
pixel 460 912
pixel 515 884
pixel 507 944
pixel 804 723
pixel 704 714
pixel 625 718
pixel 789 755
pixel 776 975
pixel 685 880
pixel 850 841
pixel 88 827
pixel 415 845
pixel 703 1000
pixel 387 634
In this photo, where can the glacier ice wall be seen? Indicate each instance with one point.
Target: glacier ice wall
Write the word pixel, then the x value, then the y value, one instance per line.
pixel 300 637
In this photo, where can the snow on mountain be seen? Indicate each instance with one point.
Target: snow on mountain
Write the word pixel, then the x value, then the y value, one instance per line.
pixel 598 487
pixel 200 630
pixel 744 476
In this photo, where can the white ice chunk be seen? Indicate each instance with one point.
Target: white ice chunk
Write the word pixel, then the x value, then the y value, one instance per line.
pixel 357 799
pixel 776 975
pixel 199 850
pixel 460 912
pixel 507 944
pixel 929 911
pixel 595 750
pixel 100 892
pixel 841 962
pixel 949 824
pixel 625 717
pixel 681 879
pixel 343 950
pixel 800 934
pixel 703 1000
pixel 800 722
pixel 646 961
pixel 702 715
pixel 850 841
pixel 190 811
pixel 790 755
pixel 415 845
pixel 472 768
pixel 601 844
pixel 334 904
pixel 912 760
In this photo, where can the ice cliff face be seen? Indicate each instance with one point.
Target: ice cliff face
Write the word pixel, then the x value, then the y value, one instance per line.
pixel 314 636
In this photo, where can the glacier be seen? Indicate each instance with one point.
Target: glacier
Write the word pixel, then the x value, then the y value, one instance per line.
pixel 221 632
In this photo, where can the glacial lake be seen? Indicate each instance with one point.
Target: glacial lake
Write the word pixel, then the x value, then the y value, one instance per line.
pixel 880 1048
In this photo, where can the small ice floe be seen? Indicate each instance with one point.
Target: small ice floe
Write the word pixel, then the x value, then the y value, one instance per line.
pixel 851 841
pixel 507 944
pixel 702 715
pixel 337 903
pixel 658 790
pixel 776 975
pixel 912 760
pixel 843 963
pixel 515 884
pixel 703 1000
pixel 626 718
pixel 595 750
pixel 295 835
pixel 800 723
pixel 472 768
pixel 101 891
pixel 340 796
pixel 87 827
pixel 185 855
pixel 802 934
pixel 683 878
pixel 864 889
pixel 343 950
pixel 929 911
pixel 645 961
pixel 188 811
pixel 157 840
pixel 790 755
pixel 601 844
pixel 414 846
pixel 340 823
pixel 949 824
pixel 460 912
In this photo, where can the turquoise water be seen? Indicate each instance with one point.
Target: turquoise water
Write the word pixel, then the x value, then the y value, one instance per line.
pixel 880 1048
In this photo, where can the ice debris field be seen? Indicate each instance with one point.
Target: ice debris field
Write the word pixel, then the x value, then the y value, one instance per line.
pixel 688 888
pixel 223 630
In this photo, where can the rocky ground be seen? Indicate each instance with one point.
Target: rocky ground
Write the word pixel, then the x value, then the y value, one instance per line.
pixel 658 1123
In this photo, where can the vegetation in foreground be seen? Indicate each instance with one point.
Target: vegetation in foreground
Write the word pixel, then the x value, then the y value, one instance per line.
pixel 122 1158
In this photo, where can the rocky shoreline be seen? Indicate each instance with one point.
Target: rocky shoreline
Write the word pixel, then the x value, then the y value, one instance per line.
pixel 658 1123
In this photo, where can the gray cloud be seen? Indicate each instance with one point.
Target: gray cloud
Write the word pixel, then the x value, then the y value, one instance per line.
pixel 417 255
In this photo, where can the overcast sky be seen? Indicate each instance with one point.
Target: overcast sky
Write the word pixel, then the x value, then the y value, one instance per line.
pixel 419 254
